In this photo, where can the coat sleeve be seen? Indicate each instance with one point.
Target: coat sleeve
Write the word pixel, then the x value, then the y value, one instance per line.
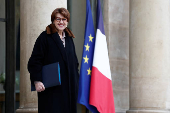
pixel 35 62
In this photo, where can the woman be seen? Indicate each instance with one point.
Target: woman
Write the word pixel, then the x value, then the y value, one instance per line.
pixel 56 45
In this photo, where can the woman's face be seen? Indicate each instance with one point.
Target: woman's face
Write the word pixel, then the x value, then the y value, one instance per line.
pixel 60 22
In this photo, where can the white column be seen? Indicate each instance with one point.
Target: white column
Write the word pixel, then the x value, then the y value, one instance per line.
pixel 35 16
pixel 116 23
pixel 149 56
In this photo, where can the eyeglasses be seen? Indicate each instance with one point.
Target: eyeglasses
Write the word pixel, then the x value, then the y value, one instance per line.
pixel 58 19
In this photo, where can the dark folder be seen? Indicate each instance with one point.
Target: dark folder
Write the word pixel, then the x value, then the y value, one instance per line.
pixel 50 76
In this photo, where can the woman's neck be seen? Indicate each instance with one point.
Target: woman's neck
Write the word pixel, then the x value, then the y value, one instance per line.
pixel 60 34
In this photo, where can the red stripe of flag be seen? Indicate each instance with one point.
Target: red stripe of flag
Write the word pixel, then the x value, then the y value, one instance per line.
pixel 101 91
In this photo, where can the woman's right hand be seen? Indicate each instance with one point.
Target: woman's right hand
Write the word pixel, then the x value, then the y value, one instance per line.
pixel 39 86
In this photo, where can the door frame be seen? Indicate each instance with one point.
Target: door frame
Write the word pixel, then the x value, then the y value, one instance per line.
pixel 10 56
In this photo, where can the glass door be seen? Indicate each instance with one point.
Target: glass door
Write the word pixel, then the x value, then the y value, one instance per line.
pixel 2 55
pixel 9 91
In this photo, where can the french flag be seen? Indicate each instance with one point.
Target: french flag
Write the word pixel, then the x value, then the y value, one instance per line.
pixel 101 91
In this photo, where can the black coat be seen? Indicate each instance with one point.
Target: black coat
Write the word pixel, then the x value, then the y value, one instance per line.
pixel 49 49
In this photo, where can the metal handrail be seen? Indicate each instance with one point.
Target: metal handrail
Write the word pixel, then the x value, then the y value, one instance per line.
pixel 2 20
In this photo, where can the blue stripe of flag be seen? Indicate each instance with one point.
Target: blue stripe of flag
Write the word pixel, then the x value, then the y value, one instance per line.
pixel 99 18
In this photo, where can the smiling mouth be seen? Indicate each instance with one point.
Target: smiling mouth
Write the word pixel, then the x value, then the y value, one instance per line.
pixel 61 25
